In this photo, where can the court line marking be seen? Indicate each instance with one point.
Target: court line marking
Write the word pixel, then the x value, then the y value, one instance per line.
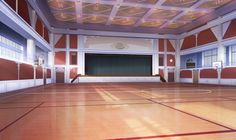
pixel 119 104
pixel 113 103
pixel 19 118
pixel 176 135
pixel 21 91
pixel 201 118
pixel 150 99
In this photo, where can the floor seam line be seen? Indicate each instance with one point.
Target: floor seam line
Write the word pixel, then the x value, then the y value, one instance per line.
pixel 192 115
pixel 19 118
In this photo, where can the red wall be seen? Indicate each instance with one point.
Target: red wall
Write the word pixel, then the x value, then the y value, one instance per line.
pixel 231 32
pixel 11 3
pixel 170 48
pixel 170 56
pixel 228 73
pixel 73 53
pixel 61 42
pixel 189 42
pixel 8 70
pixel 161 45
pixel 161 72
pixel 46 37
pixel 161 56
pixel 39 72
pixel 73 41
pixel 208 73
pixel 23 10
pixel 60 58
pixel 39 27
pixel 206 36
pixel 26 71
pixel 48 73
pixel 186 74
pixel 73 72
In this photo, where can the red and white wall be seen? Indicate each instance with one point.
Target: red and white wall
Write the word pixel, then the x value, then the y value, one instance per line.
pixel 17 75
pixel 218 37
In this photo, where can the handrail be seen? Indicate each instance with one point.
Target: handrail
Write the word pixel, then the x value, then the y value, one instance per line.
pixel 161 78
pixel 75 78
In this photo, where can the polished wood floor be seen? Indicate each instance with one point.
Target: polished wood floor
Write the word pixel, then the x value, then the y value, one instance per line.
pixel 119 111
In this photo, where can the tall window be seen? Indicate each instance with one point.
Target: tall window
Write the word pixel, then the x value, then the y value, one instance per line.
pixel 233 55
pixel 209 57
pixel 10 49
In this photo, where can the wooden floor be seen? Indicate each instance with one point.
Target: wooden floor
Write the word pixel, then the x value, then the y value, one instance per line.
pixel 119 111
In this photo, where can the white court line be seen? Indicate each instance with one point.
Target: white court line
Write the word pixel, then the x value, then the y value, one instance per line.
pixel 174 91
pixel 68 92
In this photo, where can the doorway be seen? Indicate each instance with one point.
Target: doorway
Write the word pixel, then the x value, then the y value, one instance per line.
pixel 44 76
pixel 60 75
pixel 195 76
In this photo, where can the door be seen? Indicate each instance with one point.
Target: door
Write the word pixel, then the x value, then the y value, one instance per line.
pixel 195 76
pixel 171 77
pixel 60 75
pixel 44 76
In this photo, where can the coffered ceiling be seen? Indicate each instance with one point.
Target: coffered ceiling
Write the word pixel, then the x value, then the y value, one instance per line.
pixel 154 16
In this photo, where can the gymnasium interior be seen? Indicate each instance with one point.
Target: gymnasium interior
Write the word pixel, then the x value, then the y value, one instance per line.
pixel 117 69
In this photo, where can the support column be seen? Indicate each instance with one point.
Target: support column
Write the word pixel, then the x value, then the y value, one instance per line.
pixel 67 68
pixel 165 61
pixel 51 57
pixel 31 50
pixel 81 55
pixel 221 50
pixel 155 57
pixel 177 61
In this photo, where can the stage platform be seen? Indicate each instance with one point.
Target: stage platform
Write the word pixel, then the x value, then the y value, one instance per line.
pixel 94 79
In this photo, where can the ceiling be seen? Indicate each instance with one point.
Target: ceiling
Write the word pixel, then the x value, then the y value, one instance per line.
pixel 149 16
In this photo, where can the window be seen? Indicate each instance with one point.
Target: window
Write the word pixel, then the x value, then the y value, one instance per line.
pixel 10 49
pixel 209 57
pixel 233 55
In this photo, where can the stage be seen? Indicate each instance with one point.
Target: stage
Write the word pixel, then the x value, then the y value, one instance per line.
pixel 105 79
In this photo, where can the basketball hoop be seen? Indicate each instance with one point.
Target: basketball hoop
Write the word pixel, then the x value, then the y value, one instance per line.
pixel 217 65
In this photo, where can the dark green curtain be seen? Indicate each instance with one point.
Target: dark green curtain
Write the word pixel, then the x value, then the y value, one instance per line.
pixel 118 65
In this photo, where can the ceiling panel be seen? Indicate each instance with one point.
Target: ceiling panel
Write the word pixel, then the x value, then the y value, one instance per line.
pixel 127 11
pixel 175 25
pixel 163 14
pixel 179 3
pixel 65 17
pixel 95 8
pixel 60 5
pixel 124 21
pixel 129 14
pixel 189 16
pixel 214 3
pixel 142 1
pixel 95 19
pixel 152 23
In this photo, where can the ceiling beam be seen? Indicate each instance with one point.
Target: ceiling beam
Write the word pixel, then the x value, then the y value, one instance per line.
pixel 114 11
pixel 183 13
pixel 113 34
pixel 142 5
pixel 78 9
pixel 158 4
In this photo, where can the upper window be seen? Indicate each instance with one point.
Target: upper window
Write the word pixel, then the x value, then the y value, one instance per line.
pixel 10 49
pixel 209 57
pixel 233 55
